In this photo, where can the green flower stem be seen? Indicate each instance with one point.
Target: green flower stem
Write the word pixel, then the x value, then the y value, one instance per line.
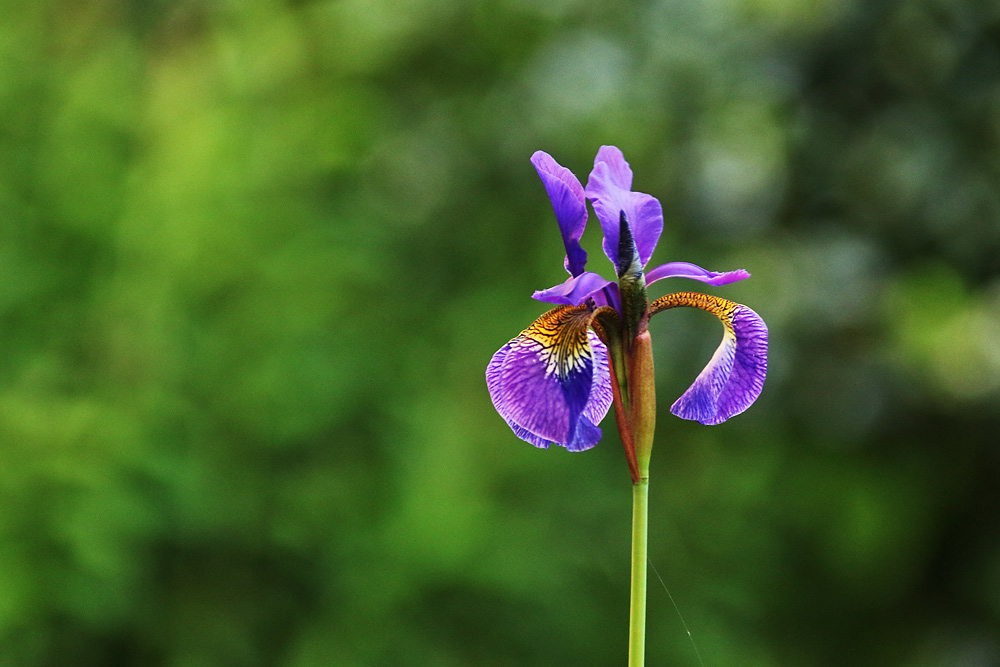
pixel 642 422
pixel 637 613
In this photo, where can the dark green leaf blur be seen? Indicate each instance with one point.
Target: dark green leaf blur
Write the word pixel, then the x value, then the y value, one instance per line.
pixel 255 257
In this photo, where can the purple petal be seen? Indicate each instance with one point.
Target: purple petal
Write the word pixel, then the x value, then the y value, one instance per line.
pixel 733 379
pixel 695 272
pixel 587 435
pixel 569 204
pixel 609 296
pixel 609 189
pixel 601 395
pixel 574 291
pixel 551 383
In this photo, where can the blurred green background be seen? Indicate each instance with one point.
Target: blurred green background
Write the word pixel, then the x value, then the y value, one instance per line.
pixel 255 256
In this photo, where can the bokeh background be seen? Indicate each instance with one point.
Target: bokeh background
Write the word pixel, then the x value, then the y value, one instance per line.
pixel 255 256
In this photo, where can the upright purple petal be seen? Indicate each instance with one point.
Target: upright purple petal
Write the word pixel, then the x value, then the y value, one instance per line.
pixel 569 204
pixel 734 377
pixel 609 189
pixel 695 272
pixel 574 291
pixel 551 383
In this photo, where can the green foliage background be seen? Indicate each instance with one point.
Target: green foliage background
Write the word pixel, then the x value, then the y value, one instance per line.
pixel 255 256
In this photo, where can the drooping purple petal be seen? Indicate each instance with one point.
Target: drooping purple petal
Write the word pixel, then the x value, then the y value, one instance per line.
pixel 695 272
pixel 734 377
pixel 551 383
pixel 569 204
pixel 540 385
pixel 574 291
pixel 609 189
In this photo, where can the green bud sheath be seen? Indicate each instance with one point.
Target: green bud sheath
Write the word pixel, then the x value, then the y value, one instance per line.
pixel 631 283
pixel 642 399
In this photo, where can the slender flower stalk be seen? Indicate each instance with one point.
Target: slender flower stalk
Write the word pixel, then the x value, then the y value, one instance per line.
pixel 555 382
pixel 637 597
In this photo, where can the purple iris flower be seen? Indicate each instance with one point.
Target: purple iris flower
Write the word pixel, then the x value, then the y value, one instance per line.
pixel 553 382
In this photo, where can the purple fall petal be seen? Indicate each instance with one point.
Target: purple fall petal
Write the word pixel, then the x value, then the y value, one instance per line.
pixel 569 204
pixel 551 383
pixel 695 272
pixel 609 189
pixel 574 291
pixel 600 397
pixel 587 435
pixel 734 377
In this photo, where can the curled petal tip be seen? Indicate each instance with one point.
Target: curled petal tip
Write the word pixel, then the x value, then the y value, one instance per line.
pixel 729 277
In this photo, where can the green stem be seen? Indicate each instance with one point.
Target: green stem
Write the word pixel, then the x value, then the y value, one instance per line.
pixel 637 613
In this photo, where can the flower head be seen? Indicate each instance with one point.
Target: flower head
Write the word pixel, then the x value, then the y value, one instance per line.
pixel 556 380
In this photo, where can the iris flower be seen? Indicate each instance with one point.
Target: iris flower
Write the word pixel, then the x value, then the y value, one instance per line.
pixel 556 380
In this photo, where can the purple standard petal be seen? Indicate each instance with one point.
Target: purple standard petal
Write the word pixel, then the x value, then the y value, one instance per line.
pixel 574 291
pixel 695 272
pixel 733 379
pixel 551 383
pixel 569 204
pixel 609 189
